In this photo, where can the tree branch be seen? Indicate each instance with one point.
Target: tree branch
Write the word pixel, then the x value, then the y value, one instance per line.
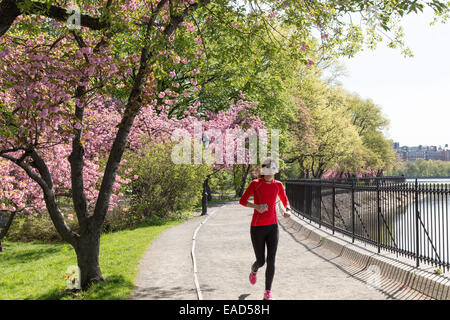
pixel 9 11
pixel 131 111
pixel 46 185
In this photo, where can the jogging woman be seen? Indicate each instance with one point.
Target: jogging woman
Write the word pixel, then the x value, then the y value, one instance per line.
pixel 264 225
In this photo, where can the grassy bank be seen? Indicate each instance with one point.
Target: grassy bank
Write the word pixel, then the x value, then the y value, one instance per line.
pixel 36 270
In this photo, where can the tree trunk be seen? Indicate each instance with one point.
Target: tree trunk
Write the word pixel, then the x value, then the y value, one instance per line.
pixel 208 190
pixel 87 250
pixel 9 12
pixel 5 229
pixel 320 174
pixel 244 178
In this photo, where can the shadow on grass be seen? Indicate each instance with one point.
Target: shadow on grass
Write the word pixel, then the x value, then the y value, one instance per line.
pixel 27 255
pixel 114 287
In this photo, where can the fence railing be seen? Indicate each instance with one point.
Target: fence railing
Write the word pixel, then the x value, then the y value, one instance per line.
pixel 406 218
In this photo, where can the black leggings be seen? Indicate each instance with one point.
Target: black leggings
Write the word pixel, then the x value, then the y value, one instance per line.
pixel 262 236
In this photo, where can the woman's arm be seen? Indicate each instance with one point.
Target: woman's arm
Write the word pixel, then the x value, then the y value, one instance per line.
pixel 259 207
pixel 248 192
pixel 283 197
pixel 285 200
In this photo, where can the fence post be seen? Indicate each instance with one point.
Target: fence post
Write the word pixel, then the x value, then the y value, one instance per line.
pixel 353 211
pixel 416 205
pixel 378 217
pixel 334 205
pixel 320 203
pixel 309 203
pixel 306 200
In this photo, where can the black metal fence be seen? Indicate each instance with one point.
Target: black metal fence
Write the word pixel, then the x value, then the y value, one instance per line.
pixel 407 218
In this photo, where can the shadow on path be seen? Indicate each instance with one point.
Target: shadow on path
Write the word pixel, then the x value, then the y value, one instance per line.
pixel 388 287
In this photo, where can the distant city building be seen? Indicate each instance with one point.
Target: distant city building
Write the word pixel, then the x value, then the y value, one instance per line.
pixel 447 155
pixel 422 152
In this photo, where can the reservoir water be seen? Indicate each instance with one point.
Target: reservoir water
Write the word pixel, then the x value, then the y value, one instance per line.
pixel 434 241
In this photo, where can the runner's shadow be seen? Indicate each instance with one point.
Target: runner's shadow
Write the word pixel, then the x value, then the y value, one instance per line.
pixel 243 296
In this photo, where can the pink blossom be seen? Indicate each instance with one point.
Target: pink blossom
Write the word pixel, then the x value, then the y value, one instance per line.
pixel 86 50
pixel 43 113
pixel 303 47
pixel 190 27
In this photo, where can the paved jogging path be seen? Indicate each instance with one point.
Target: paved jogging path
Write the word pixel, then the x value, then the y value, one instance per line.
pixel 224 254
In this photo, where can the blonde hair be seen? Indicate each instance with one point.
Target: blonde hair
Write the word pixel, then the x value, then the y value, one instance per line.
pixel 267 161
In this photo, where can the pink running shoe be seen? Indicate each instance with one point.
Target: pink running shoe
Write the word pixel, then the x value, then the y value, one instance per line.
pixel 268 295
pixel 252 278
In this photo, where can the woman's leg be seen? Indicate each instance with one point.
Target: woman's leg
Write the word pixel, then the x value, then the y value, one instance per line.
pixel 272 245
pixel 258 240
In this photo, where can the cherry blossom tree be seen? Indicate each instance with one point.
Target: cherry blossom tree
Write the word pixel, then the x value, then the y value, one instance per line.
pixel 70 96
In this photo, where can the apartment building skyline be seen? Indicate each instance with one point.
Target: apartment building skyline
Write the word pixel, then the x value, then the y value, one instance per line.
pixel 412 153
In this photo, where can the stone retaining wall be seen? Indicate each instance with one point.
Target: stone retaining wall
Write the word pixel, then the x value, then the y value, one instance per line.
pixel 400 269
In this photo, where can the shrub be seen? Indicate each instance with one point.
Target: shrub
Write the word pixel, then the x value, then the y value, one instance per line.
pixel 221 183
pixel 28 228
pixel 162 191
pixel 160 187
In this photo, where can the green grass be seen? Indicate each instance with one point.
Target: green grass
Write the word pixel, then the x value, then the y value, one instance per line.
pixel 36 270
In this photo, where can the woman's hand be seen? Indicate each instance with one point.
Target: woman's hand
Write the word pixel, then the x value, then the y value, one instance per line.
pixel 260 208
pixel 286 214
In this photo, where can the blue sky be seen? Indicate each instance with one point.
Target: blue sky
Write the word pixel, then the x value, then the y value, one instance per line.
pixel 412 92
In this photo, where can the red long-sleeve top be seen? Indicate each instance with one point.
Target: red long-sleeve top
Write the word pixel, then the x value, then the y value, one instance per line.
pixel 264 191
